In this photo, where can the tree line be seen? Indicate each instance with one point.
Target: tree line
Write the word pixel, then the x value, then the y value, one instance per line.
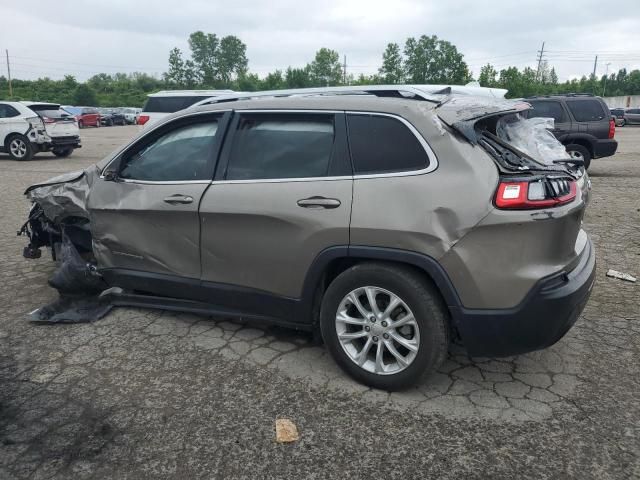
pixel 215 62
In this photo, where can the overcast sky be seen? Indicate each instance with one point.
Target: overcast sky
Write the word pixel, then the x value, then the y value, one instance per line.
pixel 52 38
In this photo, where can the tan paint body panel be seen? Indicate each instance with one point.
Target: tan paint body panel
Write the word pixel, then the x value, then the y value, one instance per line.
pixel 255 235
pixel 134 228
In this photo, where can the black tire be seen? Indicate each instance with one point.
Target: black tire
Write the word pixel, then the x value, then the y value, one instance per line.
pixel 623 122
pixel 19 147
pixel 62 152
pixel 581 151
pixel 80 124
pixel 418 294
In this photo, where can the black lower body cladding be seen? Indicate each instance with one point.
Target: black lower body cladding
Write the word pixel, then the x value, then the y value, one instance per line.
pixel 540 320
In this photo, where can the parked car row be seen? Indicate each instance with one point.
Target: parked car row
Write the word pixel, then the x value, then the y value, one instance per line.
pixel 108 117
pixel 626 116
pixel 27 128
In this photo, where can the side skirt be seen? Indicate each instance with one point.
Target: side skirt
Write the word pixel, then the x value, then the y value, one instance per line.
pixel 118 298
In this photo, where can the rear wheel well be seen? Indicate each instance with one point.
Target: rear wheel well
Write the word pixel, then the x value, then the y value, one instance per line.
pixel 339 265
pixel 588 144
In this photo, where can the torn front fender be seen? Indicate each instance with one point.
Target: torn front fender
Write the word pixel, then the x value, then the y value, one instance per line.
pixel 65 195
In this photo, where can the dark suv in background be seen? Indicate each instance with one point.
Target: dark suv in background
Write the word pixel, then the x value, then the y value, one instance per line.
pixel 583 123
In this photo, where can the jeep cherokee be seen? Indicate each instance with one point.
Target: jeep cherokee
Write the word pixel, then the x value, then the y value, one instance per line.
pixel 390 225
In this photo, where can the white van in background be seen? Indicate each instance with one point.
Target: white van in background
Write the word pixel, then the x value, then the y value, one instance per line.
pixel 161 104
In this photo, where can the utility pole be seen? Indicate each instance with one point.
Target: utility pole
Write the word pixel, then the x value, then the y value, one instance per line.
pixel 541 52
pixel 9 73
pixel 595 65
pixel 606 75
pixel 344 71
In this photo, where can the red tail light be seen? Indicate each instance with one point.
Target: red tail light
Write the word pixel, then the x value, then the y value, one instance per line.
pixel 48 120
pixel 612 128
pixel 142 119
pixel 532 194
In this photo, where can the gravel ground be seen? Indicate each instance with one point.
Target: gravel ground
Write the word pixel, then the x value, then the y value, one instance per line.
pixel 149 394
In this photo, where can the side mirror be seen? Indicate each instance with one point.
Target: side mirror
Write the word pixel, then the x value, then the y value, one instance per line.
pixel 110 176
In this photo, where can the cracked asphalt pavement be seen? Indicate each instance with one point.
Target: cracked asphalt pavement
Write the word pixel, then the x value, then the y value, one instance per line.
pixel 150 394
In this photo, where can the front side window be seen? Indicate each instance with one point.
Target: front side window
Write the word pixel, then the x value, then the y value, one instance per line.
pixel 281 145
pixel 547 109
pixel 586 110
pixel 181 154
pixel 381 144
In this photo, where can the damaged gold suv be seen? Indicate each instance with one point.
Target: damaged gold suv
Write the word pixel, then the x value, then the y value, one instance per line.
pixel 390 219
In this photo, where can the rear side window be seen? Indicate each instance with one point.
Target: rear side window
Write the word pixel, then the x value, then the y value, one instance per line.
pixel 586 110
pixel 281 145
pixel 547 110
pixel 181 154
pixel 7 111
pixel 170 104
pixel 381 144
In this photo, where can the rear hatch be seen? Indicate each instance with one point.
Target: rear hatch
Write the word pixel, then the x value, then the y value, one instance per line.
pixel 539 201
pixel 57 122
pixel 520 147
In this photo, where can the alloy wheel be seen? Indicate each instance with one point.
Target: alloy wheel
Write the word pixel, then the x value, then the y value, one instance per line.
pixel 377 330
pixel 575 155
pixel 18 147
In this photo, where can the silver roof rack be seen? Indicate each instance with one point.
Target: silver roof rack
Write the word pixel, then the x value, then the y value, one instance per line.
pixel 430 93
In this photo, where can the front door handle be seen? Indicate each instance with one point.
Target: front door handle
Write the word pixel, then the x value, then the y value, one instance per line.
pixel 319 202
pixel 178 199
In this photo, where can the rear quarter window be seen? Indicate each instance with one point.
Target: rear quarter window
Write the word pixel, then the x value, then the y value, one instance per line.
pixel 586 110
pixel 381 144
pixel 170 104
pixel 7 111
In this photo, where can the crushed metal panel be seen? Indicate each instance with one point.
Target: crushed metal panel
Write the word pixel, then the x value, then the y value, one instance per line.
pixel 64 196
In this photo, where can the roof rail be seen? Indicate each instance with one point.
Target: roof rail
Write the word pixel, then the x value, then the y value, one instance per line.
pixel 552 95
pixel 430 93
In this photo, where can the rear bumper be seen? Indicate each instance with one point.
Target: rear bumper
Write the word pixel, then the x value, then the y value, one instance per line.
pixel 605 148
pixel 72 141
pixel 540 320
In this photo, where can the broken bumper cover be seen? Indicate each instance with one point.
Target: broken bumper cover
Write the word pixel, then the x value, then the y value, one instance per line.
pixel 539 321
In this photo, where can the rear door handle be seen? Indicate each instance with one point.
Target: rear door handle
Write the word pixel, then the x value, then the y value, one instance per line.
pixel 319 202
pixel 178 199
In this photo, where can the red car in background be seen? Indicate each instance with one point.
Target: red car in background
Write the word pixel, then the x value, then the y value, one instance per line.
pixel 85 116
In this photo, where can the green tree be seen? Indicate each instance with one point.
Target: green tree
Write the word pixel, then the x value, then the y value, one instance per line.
pixel 325 69
pixel 488 76
pixel 392 71
pixel 204 49
pixel 274 81
pixel 430 60
pixel 298 77
pixel 176 73
pixel 84 95
pixel 231 59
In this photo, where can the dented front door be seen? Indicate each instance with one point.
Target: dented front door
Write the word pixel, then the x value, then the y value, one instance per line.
pixel 144 216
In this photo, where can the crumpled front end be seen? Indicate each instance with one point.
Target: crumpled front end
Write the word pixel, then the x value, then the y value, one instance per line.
pixel 59 210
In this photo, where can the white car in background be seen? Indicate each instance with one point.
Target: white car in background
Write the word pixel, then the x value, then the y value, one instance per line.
pixel 131 114
pixel 161 104
pixel 27 128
